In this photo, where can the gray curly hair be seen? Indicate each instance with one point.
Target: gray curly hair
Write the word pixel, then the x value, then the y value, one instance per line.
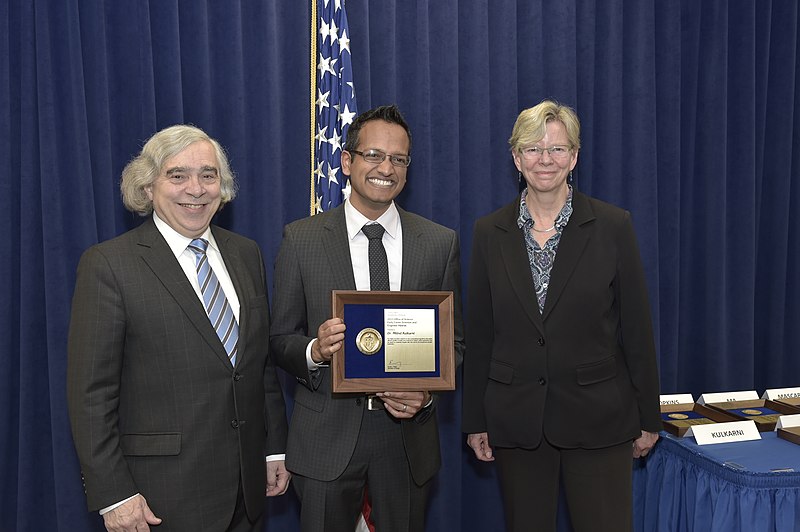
pixel 143 170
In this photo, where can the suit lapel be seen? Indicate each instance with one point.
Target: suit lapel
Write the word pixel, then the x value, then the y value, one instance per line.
pixel 574 239
pixel 159 258
pixel 413 251
pixel 514 255
pixel 337 248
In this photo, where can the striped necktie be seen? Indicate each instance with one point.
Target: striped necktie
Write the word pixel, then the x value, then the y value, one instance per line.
pixel 217 307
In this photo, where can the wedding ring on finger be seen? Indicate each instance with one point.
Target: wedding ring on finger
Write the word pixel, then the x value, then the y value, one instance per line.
pixel 405 407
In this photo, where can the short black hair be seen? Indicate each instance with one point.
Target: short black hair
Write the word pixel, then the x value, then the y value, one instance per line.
pixel 387 113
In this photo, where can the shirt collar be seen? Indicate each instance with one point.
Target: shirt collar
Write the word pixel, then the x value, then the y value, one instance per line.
pixel 390 220
pixel 176 241
pixel 525 221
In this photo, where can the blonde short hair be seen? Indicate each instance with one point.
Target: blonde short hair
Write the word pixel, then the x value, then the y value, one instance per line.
pixel 143 170
pixel 531 125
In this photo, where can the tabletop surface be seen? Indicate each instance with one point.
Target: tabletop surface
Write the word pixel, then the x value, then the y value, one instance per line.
pixel 770 456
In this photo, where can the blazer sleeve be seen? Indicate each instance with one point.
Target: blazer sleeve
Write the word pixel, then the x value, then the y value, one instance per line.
pixel 452 282
pixel 274 404
pixel 481 330
pixel 94 367
pixel 289 334
pixel 637 328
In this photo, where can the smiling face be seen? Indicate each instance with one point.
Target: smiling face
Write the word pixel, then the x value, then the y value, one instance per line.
pixel 375 186
pixel 545 173
pixel 186 193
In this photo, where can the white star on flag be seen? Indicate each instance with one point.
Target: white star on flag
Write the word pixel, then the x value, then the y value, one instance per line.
pixel 335 104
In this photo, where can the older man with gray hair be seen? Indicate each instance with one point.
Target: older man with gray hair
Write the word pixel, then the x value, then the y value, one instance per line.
pixel 176 410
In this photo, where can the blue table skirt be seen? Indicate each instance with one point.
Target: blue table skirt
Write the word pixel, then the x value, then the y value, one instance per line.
pixel 728 487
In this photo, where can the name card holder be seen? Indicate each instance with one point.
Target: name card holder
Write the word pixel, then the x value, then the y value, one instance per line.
pixel 733 431
pixel 725 397
pixel 789 396
pixel 676 399
pixel 789 421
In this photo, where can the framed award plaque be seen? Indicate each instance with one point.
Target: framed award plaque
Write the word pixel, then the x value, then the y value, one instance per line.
pixel 395 341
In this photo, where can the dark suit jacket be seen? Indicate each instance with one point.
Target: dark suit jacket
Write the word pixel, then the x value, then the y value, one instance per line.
pixel 155 406
pixel 584 371
pixel 314 259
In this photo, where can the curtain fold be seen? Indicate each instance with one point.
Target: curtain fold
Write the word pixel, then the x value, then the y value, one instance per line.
pixel 690 121
pixel 83 86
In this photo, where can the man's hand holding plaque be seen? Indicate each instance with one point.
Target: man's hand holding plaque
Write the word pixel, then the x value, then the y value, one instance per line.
pixel 404 405
pixel 329 340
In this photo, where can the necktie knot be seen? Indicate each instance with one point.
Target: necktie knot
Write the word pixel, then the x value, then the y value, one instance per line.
pixel 198 246
pixel 373 231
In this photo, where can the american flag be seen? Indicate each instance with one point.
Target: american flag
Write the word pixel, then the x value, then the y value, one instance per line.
pixel 335 104
pixel 335 107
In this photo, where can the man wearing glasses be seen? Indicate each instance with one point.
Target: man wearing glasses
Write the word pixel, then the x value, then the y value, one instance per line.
pixel 338 444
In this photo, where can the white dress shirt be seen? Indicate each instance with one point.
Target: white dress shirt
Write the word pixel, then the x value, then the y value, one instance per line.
pixel 188 261
pixel 359 253
pixel 359 244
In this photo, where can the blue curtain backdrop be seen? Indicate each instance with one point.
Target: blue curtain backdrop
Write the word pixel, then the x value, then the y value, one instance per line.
pixel 690 114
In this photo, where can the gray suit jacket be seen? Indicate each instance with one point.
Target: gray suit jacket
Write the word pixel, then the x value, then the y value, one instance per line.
pixel 155 406
pixel 314 259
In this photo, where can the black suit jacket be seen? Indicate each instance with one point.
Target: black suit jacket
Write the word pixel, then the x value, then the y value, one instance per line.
pixel 584 371
pixel 314 259
pixel 155 406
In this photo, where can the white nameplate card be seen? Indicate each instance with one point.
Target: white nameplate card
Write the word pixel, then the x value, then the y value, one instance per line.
pixel 676 399
pixel 727 397
pixel 790 420
pixel 776 394
pixel 724 432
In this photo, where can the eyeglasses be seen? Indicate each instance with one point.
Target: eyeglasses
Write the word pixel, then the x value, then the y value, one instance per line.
pixel 378 156
pixel 533 153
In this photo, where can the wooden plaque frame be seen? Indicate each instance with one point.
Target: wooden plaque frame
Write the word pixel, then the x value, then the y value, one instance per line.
pixel 444 381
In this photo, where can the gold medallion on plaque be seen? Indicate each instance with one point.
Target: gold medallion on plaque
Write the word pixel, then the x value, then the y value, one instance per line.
pixel 369 341
pixel 752 412
pixel 678 416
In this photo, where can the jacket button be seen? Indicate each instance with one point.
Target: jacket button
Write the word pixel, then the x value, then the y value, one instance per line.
pixel 235 423
pixel 540 341
pixel 542 381
pixel 358 401
pixel 237 376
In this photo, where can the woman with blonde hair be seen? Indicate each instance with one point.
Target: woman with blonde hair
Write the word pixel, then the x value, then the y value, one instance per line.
pixel 560 378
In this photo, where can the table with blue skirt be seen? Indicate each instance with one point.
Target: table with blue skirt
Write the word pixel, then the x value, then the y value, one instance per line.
pixel 750 486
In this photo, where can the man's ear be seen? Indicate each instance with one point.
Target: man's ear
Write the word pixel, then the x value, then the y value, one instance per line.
pixel 347 158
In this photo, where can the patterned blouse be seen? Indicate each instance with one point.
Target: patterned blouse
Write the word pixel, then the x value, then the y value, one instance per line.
pixel 541 260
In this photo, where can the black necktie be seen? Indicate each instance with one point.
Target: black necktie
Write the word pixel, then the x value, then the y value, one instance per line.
pixel 378 265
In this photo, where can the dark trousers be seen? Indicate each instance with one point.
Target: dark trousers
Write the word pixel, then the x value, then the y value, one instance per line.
pixel 379 463
pixel 598 485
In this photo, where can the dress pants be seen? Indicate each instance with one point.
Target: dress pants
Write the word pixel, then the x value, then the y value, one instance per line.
pixel 598 484
pixel 378 462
